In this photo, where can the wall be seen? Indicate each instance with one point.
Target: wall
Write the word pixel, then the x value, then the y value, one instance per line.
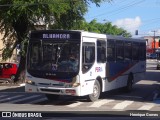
pixel 14 56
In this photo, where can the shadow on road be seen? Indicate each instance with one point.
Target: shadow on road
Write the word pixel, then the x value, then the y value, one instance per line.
pixel 143 91
pixel 12 89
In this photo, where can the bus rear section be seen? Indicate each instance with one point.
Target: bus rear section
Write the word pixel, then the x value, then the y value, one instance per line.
pixel 126 62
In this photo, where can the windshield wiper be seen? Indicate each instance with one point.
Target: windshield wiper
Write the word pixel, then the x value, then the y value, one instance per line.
pixel 59 51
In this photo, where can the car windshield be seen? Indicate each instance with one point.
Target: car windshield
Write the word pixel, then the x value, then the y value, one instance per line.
pixel 54 57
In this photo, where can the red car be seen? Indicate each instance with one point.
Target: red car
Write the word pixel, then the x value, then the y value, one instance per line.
pixel 8 71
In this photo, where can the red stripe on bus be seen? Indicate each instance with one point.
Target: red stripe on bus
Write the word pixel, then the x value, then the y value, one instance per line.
pixel 121 72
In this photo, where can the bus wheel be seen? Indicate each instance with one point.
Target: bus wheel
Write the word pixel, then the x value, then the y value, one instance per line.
pixel 96 92
pixel 129 84
pixel 52 97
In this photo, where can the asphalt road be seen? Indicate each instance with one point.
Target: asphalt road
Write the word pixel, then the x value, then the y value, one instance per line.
pixel 145 94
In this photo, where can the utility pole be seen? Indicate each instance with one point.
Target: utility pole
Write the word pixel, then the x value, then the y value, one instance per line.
pixel 154 41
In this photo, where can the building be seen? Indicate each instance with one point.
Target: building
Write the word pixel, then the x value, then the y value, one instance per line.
pixel 152 43
pixel 14 57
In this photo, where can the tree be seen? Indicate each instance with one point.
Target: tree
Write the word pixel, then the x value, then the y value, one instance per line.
pixel 104 28
pixel 18 17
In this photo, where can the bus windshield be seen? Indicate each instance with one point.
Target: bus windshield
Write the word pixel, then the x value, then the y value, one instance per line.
pixel 53 56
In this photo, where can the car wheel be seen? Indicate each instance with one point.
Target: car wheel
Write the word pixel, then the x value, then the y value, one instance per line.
pixel 12 77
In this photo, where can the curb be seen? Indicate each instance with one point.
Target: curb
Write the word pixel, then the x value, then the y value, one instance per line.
pixel 10 85
pixel 23 84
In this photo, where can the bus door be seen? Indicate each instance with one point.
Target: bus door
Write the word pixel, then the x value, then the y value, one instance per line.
pixel 88 65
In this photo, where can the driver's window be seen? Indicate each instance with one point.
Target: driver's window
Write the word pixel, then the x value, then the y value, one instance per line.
pixel 88 56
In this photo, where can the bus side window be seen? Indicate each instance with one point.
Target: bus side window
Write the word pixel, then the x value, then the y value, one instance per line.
pixel 88 56
pixel 119 51
pixel 110 50
pixel 135 51
pixel 127 51
pixel 101 51
pixel 142 51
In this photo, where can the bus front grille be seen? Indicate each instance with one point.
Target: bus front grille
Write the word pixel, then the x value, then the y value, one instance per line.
pixel 49 90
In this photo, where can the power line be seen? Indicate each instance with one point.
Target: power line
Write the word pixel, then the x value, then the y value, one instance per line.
pixel 119 9
pixel 114 3
pixel 129 6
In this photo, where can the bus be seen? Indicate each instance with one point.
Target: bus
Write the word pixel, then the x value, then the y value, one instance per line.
pixel 81 63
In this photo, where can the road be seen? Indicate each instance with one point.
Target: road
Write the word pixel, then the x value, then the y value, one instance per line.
pixel 143 98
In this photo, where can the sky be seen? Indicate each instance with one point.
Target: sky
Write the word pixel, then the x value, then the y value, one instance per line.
pixel 131 15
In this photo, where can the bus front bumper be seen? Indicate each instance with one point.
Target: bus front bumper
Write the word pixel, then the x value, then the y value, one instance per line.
pixel 52 90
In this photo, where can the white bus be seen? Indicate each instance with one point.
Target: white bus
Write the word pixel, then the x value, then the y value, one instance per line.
pixel 81 63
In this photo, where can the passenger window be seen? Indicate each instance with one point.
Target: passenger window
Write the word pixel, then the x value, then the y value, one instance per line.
pixel 119 51
pixel 101 51
pixel 135 51
pixel 142 51
pixel 127 51
pixel 6 65
pixel 110 50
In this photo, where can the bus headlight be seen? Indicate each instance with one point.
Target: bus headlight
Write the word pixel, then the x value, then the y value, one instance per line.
pixel 75 84
pixel 30 82
pixel 72 85
pixel 75 81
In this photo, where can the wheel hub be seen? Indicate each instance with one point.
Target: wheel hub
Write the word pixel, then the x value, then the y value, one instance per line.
pixel 95 91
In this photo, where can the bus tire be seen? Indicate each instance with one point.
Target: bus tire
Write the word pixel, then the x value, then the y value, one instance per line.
pixel 96 92
pixel 129 86
pixel 52 97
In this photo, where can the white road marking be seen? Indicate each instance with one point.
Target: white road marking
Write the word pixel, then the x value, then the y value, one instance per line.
pixel 146 107
pixel 9 98
pixel 122 105
pixel 75 104
pixel 100 103
pixel 22 99
pixel 3 96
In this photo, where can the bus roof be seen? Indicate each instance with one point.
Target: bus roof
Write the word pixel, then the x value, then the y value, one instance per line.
pixel 90 34
pixel 124 38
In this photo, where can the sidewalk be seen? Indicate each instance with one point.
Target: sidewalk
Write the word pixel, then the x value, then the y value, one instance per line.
pixel 9 86
pixel 151 60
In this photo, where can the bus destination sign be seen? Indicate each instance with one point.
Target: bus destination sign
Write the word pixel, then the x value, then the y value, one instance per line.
pixel 56 36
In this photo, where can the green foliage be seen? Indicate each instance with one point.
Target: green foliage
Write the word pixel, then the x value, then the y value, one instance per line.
pixel 104 28
pixel 18 17
pixel 97 2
